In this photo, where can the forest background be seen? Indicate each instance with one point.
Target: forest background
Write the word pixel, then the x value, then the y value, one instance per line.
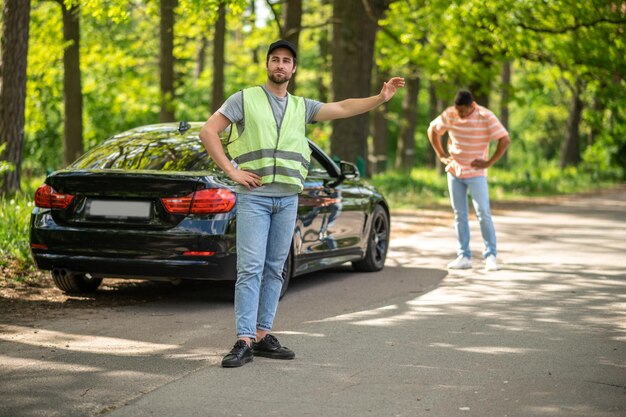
pixel 75 72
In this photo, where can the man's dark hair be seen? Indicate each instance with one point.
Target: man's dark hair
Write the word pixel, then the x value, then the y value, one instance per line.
pixel 463 98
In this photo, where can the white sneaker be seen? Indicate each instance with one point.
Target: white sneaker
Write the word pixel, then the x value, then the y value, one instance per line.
pixel 460 263
pixel 490 263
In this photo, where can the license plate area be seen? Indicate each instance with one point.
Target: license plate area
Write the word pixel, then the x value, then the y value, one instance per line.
pixel 119 209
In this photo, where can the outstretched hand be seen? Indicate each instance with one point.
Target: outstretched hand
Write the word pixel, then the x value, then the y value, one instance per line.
pixel 390 88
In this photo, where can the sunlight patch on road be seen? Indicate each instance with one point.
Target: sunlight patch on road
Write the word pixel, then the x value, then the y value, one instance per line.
pixel 78 342
pixel 497 350
pixel 357 315
pixel 11 363
pixel 533 301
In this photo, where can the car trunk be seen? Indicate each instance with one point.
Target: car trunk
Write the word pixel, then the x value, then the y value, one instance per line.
pixel 113 214
pixel 120 199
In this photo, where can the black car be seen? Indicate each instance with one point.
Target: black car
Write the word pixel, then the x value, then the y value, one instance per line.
pixel 149 203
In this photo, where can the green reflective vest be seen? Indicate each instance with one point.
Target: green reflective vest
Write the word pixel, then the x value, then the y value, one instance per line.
pixel 276 155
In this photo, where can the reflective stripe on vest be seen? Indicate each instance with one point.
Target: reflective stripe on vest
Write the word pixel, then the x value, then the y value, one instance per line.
pixel 275 155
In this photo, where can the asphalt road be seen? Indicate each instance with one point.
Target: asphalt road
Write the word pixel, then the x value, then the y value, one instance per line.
pixel 544 336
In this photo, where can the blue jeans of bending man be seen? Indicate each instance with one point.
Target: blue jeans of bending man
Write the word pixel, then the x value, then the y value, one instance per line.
pixel 479 191
pixel 264 232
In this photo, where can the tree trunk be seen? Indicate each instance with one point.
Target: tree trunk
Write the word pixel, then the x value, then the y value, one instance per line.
pixel 570 148
pixel 73 118
pixel 354 33
pixel 14 50
pixel 480 87
pixel 480 93
pixel 436 107
pixel 292 18
pixel 597 108
pixel 405 156
pixel 200 57
pixel 217 96
pixel 252 22
pixel 166 60
pixel 504 103
pixel 378 158
pixel 431 157
pixel 324 45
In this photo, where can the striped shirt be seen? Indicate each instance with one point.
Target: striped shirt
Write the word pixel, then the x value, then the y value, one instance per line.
pixel 468 138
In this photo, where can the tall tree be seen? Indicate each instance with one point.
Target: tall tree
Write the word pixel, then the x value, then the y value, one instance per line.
pixel 166 60
pixel 570 147
pixel 289 28
pixel 380 127
pixel 203 44
pixel 325 64
pixel 505 93
pixel 406 142
pixel 435 107
pixel 569 35
pixel 354 32
pixel 72 90
pixel 217 94
pixel 292 16
pixel 13 53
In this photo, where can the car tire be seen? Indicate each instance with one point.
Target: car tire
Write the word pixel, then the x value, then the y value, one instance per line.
pixel 287 273
pixel 377 243
pixel 71 282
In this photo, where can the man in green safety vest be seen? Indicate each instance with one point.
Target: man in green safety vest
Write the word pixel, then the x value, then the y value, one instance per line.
pixel 270 160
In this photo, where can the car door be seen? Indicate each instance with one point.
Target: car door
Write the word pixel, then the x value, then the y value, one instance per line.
pixel 331 217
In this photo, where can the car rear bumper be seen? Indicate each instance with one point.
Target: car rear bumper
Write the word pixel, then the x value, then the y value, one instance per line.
pixel 218 267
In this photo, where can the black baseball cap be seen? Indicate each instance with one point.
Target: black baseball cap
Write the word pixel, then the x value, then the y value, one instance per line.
pixel 282 44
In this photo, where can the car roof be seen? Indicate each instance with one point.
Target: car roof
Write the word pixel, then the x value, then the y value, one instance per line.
pixel 194 129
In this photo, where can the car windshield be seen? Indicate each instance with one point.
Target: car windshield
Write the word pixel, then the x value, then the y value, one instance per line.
pixel 156 151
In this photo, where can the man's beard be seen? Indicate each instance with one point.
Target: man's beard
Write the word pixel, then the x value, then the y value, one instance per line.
pixel 279 79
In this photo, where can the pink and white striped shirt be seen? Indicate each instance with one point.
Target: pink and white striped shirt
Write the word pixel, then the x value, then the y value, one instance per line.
pixel 468 138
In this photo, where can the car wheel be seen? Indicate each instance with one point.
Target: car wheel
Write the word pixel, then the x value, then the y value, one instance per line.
pixel 71 282
pixel 377 243
pixel 287 273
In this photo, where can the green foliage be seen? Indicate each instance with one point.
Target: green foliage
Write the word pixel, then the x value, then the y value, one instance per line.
pixel 44 104
pixel 544 179
pixel 14 231
pixel 449 44
pixel 4 165
pixel 553 46
pixel 421 188
pixel 426 188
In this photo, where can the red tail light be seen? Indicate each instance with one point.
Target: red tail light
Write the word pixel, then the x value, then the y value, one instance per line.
pixel 47 197
pixel 213 200
pixel 209 201
pixel 198 253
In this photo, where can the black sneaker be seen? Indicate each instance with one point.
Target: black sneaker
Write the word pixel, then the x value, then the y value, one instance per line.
pixel 239 355
pixel 269 347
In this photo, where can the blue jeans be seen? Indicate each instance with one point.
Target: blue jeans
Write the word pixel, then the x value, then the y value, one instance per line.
pixel 477 188
pixel 264 232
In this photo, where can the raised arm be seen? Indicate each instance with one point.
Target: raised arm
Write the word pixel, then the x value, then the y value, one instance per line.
pixel 353 106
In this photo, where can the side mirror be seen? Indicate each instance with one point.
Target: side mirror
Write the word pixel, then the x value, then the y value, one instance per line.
pixel 349 170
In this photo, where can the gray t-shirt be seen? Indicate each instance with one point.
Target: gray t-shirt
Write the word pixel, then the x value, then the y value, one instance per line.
pixel 232 109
